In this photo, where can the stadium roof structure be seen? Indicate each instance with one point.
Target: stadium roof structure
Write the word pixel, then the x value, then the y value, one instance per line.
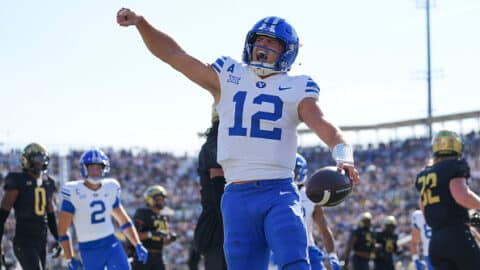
pixel 407 123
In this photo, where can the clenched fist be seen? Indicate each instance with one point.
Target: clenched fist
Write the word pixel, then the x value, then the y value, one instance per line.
pixel 126 17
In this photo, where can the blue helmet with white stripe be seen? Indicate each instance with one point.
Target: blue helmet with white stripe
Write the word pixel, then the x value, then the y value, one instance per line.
pixel 300 170
pixel 277 28
pixel 94 156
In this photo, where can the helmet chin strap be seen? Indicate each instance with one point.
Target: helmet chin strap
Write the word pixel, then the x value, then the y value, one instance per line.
pixel 264 70
pixel 95 181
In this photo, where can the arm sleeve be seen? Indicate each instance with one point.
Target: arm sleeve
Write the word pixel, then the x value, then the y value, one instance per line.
pixel 52 225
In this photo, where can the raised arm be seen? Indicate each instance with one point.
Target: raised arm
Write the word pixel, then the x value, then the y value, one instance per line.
pixel 166 49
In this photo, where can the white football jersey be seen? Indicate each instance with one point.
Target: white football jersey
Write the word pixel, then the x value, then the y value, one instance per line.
pixel 257 135
pixel 418 221
pixel 93 208
pixel 307 207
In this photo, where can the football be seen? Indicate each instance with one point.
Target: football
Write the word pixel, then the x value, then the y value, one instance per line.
pixel 328 186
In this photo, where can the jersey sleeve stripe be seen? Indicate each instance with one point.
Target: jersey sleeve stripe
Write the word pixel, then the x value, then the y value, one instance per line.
pixel 312 84
pixel 217 69
pixel 309 90
pixel 312 87
pixel 219 63
pixel 65 193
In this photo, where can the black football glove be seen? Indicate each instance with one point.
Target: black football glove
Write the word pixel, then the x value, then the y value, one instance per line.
pixel 475 220
pixel 158 236
pixel 57 250
pixel 2 261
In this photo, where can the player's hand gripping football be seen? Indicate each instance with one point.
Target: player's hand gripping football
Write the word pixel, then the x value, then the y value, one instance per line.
pixel 351 171
pixel 126 17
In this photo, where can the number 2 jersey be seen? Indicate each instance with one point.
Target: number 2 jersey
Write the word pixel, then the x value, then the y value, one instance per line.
pixel 440 208
pixel 91 209
pixel 257 136
pixel 31 204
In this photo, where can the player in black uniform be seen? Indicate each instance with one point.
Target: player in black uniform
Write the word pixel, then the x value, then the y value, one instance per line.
pixel 153 228
pixel 208 237
pixel 30 193
pixel 386 245
pixel 362 242
pixel 445 199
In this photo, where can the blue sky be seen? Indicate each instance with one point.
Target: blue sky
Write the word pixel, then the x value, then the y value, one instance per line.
pixel 70 77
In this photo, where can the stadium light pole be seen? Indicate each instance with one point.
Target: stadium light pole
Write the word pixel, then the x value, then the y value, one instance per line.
pixel 429 71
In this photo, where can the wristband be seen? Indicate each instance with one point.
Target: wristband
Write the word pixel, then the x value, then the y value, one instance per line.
pixel 62 238
pixel 343 153
pixel 126 225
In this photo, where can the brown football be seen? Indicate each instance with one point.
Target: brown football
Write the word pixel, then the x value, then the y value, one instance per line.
pixel 328 186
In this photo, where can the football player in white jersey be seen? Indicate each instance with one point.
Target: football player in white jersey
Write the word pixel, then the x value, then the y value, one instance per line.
pixel 260 107
pixel 421 232
pixel 90 205
pixel 314 214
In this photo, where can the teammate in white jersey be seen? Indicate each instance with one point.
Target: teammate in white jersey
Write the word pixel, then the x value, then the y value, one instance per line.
pixel 421 232
pixel 90 205
pixel 313 213
pixel 260 107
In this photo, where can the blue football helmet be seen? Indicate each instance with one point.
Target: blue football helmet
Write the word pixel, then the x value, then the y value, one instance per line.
pixel 94 156
pixel 300 170
pixel 277 28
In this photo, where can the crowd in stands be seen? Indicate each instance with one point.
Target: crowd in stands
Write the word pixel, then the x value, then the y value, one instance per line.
pixel 387 172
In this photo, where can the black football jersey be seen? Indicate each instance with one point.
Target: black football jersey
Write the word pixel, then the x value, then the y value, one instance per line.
pixel 387 243
pixel 31 203
pixel 147 221
pixel 441 209
pixel 364 241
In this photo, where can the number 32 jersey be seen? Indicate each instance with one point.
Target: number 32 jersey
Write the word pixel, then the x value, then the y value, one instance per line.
pixel 257 137
pixel 433 183
pixel 92 209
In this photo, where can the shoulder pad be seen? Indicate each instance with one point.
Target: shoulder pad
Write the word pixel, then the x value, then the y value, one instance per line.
pixel 142 212
pixel 111 181
pixel 462 169
pixel 15 180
